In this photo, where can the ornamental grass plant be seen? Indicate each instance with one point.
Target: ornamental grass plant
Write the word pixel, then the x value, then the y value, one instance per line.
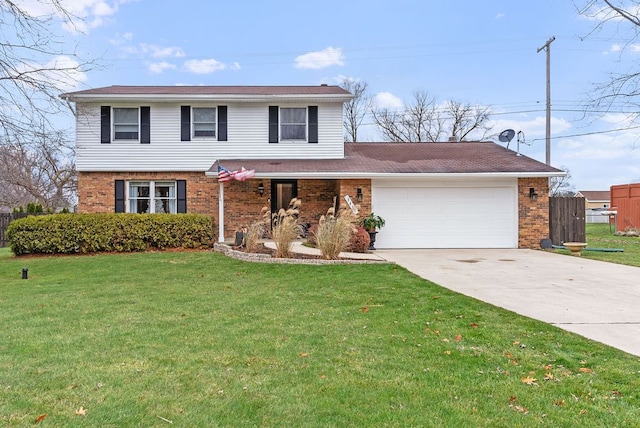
pixel 333 234
pixel 286 228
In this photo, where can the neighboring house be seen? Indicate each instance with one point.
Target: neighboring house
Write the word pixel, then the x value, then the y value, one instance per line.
pixel 595 199
pixel 595 202
pixel 157 149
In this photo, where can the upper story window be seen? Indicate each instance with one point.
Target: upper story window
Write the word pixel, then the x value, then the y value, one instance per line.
pixel 204 121
pixel 125 123
pixel 293 123
pixel 152 197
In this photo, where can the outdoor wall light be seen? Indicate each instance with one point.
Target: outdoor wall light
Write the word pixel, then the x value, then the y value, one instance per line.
pixel 532 194
pixel 359 194
pixel 260 189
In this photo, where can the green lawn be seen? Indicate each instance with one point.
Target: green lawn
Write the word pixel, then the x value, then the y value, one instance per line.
pixel 196 339
pixel 601 236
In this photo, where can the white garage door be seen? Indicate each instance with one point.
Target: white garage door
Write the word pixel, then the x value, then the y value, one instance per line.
pixel 447 214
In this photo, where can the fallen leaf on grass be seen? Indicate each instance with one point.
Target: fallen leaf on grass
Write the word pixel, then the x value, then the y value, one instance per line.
pixel 558 403
pixel 548 376
pixel 585 370
pixel 364 309
pixel 41 418
pixel 81 411
pixel 458 338
pixel 447 352
pixel 529 380
pixel 304 354
pixel 474 325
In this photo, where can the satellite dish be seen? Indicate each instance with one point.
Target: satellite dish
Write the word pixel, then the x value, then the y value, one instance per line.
pixel 507 135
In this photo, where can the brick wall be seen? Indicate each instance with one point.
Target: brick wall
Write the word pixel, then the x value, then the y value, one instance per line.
pixel 96 190
pixel 533 216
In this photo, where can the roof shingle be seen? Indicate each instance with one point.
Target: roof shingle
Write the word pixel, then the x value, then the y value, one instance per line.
pixel 404 158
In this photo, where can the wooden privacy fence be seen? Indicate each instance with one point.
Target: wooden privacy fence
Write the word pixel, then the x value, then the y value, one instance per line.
pixel 5 219
pixel 625 199
pixel 566 220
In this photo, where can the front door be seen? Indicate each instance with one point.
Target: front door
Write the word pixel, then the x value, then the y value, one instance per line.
pixel 282 191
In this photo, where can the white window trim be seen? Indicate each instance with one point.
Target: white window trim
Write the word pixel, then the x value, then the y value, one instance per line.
pixel 152 186
pixel 306 125
pixel 113 123
pixel 193 125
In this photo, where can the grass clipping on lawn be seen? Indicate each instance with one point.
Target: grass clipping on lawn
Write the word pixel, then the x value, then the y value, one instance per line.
pixel 197 339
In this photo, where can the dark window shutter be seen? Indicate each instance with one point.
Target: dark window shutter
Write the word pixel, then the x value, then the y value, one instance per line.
pixel 182 196
pixel 105 124
pixel 273 124
pixel 313 124
pixel 222 123
pixel 185 123
pixel 120 196
pixel 145 125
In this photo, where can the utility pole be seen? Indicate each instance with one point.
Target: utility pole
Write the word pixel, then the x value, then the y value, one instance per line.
pixel 547 47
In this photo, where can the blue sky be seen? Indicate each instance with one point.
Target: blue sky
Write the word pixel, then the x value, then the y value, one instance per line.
pixel 474 51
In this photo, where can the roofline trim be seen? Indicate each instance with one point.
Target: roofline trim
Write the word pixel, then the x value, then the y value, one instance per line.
pixel 205 97
pixel 337 175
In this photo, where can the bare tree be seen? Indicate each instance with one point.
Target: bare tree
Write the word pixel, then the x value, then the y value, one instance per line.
pixel 355 109
pixel 42 172
pixel 467 119
pixel 561 186
pixel 622 87
pixel 35 68
pixel 424 120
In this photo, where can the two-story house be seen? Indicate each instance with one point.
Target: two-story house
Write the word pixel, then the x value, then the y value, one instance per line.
pixel 148 149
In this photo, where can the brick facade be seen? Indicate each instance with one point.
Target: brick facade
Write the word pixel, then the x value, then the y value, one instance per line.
pixel 96 190
pixel 533 216
pixel 243 203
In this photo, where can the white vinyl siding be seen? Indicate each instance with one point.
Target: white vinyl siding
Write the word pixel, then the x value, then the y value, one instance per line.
pixel 456 213
pixel 247 131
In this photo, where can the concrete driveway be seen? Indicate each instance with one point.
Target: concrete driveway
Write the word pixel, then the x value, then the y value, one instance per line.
pixel 595 299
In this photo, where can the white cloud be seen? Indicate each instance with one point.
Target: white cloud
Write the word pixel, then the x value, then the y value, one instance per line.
pixel 85 14
pixel 163 51
pixel 122 39
pixel 387 100
pixel 159 67
pixel 204 66
pixel 321 59
pixel 61 71
pixel 500 15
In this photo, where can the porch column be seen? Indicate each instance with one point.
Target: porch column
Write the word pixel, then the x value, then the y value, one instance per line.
pixel 220 212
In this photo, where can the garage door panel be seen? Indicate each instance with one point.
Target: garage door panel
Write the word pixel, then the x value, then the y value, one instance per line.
pixel 466 216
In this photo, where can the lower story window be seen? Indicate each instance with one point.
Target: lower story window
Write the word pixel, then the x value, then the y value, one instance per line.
pixel 152 197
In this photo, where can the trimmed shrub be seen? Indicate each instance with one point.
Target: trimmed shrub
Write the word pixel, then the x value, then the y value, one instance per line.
pixel 89 233
pixel 359 241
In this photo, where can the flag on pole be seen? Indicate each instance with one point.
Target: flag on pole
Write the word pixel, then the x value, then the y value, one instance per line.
pixel 244 174
pixel 224 174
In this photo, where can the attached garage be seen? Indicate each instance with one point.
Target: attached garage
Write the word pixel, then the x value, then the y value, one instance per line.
pixel 451 213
